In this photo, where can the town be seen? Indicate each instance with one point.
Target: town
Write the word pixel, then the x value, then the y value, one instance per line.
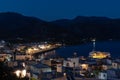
pixel 59 39
pixel 38 61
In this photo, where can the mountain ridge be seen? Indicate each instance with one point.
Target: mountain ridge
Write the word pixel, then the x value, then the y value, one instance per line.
pixel 13 25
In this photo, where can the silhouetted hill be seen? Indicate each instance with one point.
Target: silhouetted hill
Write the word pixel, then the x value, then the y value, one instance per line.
pixel 90 27
pixel 14 25
pixel 11 22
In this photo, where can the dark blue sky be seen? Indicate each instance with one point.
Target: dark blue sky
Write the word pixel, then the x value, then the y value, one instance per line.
pixel 57 9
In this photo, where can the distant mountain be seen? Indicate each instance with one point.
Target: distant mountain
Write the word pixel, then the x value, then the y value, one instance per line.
pixel 15 25
pixel 11 22
pixel 92 27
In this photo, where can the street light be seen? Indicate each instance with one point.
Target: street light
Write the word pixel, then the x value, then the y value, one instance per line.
pixel 20 73
pixel 23 73
pixel 84 66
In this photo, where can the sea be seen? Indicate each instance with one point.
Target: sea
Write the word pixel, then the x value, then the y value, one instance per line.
pixel 113 47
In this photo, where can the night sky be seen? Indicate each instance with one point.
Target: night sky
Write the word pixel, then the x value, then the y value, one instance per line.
pixel 56 9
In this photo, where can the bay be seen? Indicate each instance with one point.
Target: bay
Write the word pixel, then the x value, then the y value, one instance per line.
pixel 113 47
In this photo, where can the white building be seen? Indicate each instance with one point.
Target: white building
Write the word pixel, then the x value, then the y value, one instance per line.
pixel 71 62
pixel 37 68
pixel 102 76
pixel 59 67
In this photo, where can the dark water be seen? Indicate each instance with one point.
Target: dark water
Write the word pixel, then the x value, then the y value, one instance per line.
pixel 113 47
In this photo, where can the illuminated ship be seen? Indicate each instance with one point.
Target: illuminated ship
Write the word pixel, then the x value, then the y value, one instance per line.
pixel 98 54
